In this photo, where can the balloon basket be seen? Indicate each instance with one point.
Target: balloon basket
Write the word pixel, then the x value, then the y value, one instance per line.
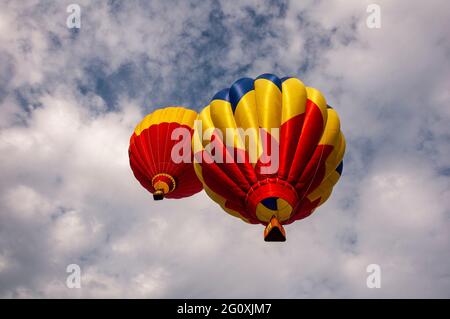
pixel 274 231
pixel 158 195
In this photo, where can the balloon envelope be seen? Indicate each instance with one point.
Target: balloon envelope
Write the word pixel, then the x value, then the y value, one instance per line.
pixel 285 169
pixel 153 161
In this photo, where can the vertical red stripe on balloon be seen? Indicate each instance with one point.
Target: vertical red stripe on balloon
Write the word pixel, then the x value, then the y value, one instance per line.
pixel 289 135
pixel 311 133
pixel 314 171
pixel 217 180
pixel 141 147
pixel 230 164
pixel 268 164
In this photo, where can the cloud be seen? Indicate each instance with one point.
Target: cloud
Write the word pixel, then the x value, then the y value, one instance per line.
pixel 69 101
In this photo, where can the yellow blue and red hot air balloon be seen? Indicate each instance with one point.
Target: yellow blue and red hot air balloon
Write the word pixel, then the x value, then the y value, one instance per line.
pixel 252 182
pixel 152 157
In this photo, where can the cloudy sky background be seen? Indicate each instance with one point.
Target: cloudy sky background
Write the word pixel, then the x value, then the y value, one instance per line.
pixel 69 100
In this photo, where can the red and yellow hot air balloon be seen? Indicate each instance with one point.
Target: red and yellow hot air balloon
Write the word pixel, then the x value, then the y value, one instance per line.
pixel 160 153
pixel 269 151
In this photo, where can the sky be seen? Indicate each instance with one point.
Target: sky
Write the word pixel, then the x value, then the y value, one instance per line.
pixel 70 98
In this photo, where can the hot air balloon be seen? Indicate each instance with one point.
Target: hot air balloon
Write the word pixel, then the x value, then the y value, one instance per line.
pixel 285 169
pixel 160 153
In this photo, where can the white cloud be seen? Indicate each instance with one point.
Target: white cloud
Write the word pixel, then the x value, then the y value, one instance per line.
pixel 67 194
